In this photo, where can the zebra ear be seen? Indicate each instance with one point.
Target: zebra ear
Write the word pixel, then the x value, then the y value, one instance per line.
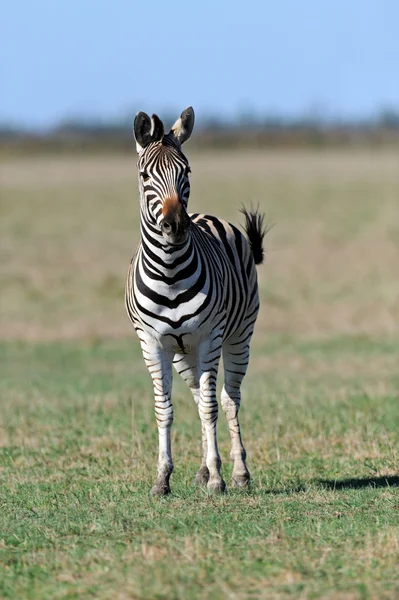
pixel 142 130
pixel 183 127
pixel 158 130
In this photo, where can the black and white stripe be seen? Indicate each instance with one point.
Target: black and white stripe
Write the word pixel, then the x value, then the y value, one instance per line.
pixel 192 295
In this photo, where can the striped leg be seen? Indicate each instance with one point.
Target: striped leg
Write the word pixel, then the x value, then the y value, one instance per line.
pixel 235 360
pixel 159 365
pixel 209 356
pixel 186 366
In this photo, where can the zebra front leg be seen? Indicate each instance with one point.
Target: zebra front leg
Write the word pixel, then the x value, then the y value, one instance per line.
pixel 209 356
pixel 202 475
pixel 186 366
pixel 159 364
pixel 235 360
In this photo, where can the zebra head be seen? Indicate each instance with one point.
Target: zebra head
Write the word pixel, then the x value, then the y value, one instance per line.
pixel 164 174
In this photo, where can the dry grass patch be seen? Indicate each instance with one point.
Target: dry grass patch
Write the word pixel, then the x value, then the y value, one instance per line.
pixel 69 227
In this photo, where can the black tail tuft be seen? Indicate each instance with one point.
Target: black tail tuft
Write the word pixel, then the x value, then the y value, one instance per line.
pixel 256 230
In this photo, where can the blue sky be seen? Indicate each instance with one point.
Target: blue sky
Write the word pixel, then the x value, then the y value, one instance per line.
pixel 66 58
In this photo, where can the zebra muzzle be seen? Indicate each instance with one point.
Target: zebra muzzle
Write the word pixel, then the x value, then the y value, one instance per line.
pixel 175 224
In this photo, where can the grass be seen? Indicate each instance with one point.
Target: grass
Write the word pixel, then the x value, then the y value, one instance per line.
pixel 320 412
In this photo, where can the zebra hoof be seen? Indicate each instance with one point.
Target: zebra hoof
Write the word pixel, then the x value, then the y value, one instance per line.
pixel 202 477
pixel 216 487
pixel 160 489
pixel 241 481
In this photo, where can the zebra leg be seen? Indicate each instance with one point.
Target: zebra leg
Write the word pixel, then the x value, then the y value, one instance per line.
pixel 202 475
pixel 186 366
pixel 159 364
pixel 209 356
pixel 235 360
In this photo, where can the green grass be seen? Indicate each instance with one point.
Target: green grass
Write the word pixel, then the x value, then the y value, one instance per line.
pixel 78 457
pixel 320 413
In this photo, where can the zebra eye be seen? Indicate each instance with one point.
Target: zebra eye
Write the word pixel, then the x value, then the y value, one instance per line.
pixel 144 175
pixel 188 170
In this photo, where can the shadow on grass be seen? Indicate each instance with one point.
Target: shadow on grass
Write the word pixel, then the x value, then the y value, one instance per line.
pixel 344 484
pixel 335 484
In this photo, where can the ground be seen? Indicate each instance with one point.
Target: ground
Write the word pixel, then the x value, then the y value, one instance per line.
pixel 320 413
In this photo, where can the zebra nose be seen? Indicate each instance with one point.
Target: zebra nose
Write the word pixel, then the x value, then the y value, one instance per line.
pixel 167 226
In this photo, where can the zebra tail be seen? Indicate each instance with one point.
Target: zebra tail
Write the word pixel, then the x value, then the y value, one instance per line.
pixel 256 230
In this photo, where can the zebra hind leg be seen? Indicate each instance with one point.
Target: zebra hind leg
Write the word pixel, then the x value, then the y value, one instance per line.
pixel 186 366
pixel 209 356
pixel 235 359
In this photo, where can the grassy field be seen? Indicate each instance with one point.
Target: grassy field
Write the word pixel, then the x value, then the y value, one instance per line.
pixel 320 414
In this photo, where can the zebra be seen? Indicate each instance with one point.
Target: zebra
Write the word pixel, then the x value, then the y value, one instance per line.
pixel 192 296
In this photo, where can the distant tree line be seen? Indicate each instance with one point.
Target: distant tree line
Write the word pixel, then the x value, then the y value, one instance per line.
pixel 79 135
